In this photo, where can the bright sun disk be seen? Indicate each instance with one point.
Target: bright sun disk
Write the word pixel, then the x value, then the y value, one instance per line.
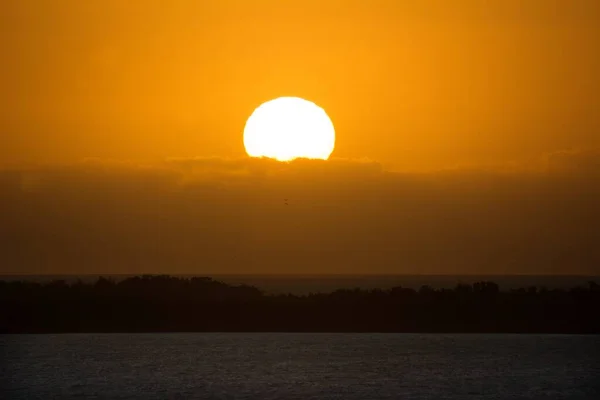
pixel 289 127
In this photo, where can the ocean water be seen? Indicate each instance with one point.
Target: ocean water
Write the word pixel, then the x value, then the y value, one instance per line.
pixel 299 366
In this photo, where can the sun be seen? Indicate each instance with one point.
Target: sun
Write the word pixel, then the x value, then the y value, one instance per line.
pixel 287 128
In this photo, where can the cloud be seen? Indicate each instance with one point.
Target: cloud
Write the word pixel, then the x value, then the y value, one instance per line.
pixel 575 162
pixel 217 215
pixel 224 168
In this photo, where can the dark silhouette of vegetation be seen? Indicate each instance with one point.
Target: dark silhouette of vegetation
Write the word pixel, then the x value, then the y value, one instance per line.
pixel 163 303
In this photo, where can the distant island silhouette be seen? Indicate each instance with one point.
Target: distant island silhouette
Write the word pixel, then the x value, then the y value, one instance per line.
pixel 163 303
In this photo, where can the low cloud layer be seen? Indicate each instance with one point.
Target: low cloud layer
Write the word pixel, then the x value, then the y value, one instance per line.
pixel 214 215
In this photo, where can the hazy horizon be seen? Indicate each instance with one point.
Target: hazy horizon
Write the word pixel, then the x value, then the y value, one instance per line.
pixel 302 284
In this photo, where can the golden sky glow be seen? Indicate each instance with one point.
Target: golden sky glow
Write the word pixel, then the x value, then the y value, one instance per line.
pixel 467 136
pixel 437 83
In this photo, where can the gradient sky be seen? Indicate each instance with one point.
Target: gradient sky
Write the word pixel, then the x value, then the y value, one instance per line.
pixel 467 136
pixel 413 84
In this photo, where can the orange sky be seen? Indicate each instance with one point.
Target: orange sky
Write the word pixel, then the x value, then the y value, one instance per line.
pixel 413 84
pixel 468 136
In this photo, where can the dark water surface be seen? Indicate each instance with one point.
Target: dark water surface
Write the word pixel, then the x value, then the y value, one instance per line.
pixel 299 366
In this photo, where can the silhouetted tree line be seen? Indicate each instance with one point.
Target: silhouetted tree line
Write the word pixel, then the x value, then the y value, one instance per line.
pixel 162 303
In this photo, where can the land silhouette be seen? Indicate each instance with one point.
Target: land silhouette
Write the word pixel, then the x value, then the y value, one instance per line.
pixel 162 303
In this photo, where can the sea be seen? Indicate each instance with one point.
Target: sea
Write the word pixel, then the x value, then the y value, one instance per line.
pixel 299 366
